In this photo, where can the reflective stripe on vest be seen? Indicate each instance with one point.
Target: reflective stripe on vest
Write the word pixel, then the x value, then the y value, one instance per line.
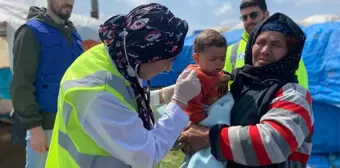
pixel 71 146
pixel 94 80
pixel 85 160
pixel 97 78
pixel 233 55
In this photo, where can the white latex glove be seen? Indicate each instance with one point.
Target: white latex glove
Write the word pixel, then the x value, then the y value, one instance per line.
pixel 187 87
pixel 167 93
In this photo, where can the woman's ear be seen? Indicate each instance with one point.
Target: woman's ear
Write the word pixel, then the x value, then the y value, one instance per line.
pixel 195 56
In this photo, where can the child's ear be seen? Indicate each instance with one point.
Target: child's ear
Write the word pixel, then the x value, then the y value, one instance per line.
pixel 195 57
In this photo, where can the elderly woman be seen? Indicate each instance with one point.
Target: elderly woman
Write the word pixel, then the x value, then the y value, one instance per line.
pixel 104 118
pixel 272 121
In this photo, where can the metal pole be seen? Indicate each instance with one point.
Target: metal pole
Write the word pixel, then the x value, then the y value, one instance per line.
pixel 94 9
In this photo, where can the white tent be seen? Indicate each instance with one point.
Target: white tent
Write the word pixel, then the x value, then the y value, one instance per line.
pixel 4 59
pixel 238 26
pixel 13 15
pixel 314 19
pixel 319 19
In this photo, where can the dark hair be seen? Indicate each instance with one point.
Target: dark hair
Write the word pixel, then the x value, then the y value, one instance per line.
pixel 252 3
pixel 209 38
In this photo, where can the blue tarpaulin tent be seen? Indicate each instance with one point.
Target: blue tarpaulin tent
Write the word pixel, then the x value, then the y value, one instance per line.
pixel 321 56
pixel 169 78
pixel 322 59
pixel 5 80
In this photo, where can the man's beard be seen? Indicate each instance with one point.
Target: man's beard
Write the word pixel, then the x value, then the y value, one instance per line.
pixel 58 12
pixel 253 25
pixel 250 29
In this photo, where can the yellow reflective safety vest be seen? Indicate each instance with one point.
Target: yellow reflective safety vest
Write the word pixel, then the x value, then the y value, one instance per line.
pixel 235 59
pixel 70 146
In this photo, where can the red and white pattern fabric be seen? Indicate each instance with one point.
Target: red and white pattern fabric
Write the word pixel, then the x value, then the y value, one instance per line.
pixel 284 132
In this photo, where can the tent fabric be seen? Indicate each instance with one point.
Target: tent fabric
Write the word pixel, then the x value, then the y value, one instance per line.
pixel 233 36
pixel 318 161
pixel 13 15
pixel 324 161
pixel 181 62
pixel 321 56
pixel 4 59
pixel 326 128
pixel 5 81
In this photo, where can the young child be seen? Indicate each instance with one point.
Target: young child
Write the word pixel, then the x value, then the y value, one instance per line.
pixel 209 54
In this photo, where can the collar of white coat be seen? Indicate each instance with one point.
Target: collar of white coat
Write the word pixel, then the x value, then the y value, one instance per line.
pixel 140 80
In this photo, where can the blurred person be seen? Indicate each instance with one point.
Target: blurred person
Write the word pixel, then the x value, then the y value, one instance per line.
pixel 253 12
pixel 44 47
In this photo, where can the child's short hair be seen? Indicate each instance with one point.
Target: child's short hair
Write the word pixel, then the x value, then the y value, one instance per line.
pixel 209 38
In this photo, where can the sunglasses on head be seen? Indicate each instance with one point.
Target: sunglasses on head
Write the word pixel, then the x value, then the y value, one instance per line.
pixel 252 15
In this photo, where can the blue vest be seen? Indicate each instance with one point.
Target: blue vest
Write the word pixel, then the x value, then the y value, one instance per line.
pixel 56 55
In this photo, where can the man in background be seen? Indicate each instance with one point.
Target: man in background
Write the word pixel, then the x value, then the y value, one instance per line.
pixel 253 12
pixel 44 47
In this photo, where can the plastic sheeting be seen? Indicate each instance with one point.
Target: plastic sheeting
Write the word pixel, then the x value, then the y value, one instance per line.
pixel 233 36
pixel 321 56
pixel 5 81
pixel 4 59
pixel 181 62
pixel 326 128
pixel 318 161
pixel 13 15
pixel 324 161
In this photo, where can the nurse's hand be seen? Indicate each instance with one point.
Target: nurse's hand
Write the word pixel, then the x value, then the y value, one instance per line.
pixel 187 87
